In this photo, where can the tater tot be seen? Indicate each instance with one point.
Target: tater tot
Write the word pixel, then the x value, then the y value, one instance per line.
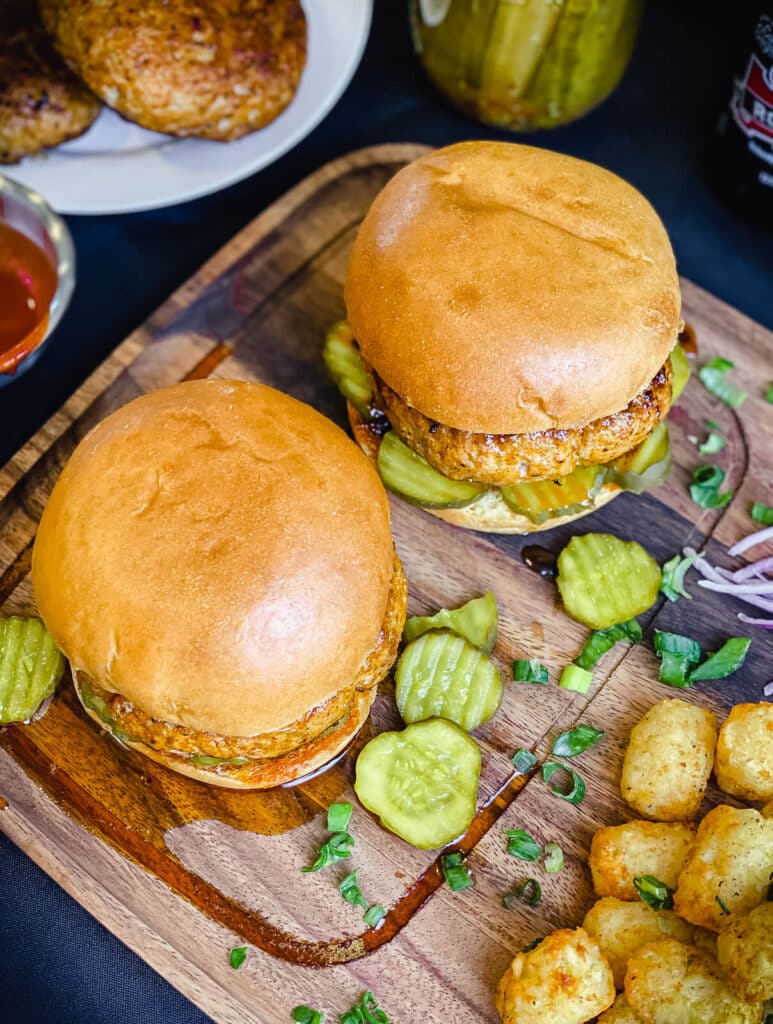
pixel 619 1013
pixel 745 954
pixel 668 761
pixel 744 762
pixel 668 982
pixel 728 869
pixel 621 928
pixel 620 852
pixel 564 980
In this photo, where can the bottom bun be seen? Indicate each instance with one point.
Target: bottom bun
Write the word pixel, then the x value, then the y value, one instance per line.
pixel 297 764
pixel 489 513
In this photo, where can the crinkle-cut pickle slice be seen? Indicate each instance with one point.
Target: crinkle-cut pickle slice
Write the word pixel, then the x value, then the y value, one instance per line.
pixel 680 368
pixel 30 667
pixel 346 368
pixel 645 466
pixel 604 580
pixel 410 476
pixel 476 621
pixel 548 499
pixel 442 675
pixel 422 783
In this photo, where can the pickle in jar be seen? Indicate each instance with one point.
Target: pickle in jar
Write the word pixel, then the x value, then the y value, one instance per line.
pixel 31 665
pixel 422 782
pixel 410 476
pixel 476 621
pixel 442 675
pixel 604 580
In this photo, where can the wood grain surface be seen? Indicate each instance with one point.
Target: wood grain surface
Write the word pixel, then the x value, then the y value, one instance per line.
pixel 182 872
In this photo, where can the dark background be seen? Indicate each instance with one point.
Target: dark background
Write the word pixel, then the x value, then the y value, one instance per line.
pixel 56 963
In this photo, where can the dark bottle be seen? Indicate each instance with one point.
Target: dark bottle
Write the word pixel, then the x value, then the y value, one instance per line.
pixel 742 162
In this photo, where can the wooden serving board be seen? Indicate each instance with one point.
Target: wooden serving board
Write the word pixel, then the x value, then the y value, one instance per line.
pixel 182 872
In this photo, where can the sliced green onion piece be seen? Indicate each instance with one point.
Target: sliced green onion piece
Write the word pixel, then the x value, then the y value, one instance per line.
pixel 528 892
pixel 762 513
pixel 456 872
pixel 714 443
pixel 237 956
pixel 722 905
pixel 371 1011
pixel 305 1015
pixel 529 670
pixel 602 640
pixel 654 892
pixel 521 845
pixel 575 741
pixel 576 679
pixel 704 489
pixel 674 571
pixel 576 794
pixel 724 662
pixel 350 890
pixel 353 1016
pixel 554 858
pixel 674 669
pixel 338 847
pixel 533 944
pixel 374 915
pixel 674 643
pixel 338 817
pixel 523 761
pixel 714 380
pixel 769 394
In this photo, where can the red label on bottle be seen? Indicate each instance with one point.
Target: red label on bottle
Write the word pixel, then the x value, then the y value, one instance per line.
pixel 752 103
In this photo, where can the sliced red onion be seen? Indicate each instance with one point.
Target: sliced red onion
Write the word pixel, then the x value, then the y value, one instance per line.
pixel 752 541
pixel 763 623
pixel 753 569
pixel 720 578
pixel 729 587
pixel 767 689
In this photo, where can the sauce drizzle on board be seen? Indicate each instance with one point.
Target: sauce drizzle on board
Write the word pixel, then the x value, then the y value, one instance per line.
pixel 27 285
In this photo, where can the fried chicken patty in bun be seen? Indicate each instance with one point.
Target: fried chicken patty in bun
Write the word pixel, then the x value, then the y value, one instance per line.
pixel 216 563
pixel 511 315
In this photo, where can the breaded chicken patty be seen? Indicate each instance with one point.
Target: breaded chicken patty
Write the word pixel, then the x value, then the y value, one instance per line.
pixel 42 103
pixel 217 69
pixel 502 459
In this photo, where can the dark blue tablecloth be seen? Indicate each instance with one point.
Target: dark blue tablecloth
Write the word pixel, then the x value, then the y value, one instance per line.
pixel 56 963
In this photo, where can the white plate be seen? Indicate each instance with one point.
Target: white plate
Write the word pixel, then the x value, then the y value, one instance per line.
pixel 118 167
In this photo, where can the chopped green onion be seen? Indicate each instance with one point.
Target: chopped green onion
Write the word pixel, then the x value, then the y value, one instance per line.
pixel 237 956
pixel 704 489
pixel 576 794
pixel 371 1011
pixel 674 571
pixel 724 662
pixel 714 443
pixel 528 892
pixel 338 817
pixel 576 741
pixel 654 892
pixel 456 872
pixel 353 1016
pixel 350 891
pixel 575 679
pixel 712 425
pixel 674 669
pixel 674 643
pixel 722 905
pixel 769 393
pixel 529 670
pixel 338 847
pixel 713 377
pixel 533 944
pixel 602 640
pixel 305 1015
pixel 554 858
pixel 523 761
pixel 374 915
pixel 521 845
pixel 762 513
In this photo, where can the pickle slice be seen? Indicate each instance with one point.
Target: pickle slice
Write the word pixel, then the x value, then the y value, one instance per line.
pixel 30 667
pixel 98 705
pixel 604 580
pixel 476 621
pixel 206 761
pixel 646 466
pixel 441 675
pixel 346 368
pixel 680 368
pixel 548 499
pixel 407 474
pixel 422 783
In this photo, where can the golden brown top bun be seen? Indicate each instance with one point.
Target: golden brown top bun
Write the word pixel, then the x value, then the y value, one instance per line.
pixel 499 288
pixel 219 554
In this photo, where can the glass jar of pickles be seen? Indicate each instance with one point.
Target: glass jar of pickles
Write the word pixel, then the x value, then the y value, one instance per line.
pixel 524 64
